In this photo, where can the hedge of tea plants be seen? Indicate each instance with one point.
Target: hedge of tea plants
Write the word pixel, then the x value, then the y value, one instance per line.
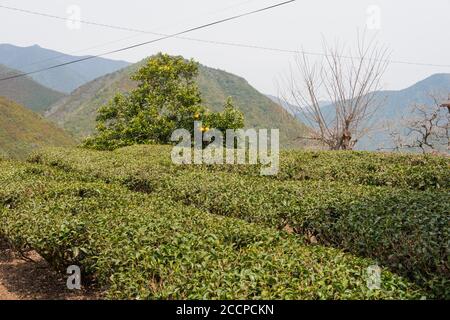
pixel 407 171
pixel 139 246
pixel 403 229
pixel 410 171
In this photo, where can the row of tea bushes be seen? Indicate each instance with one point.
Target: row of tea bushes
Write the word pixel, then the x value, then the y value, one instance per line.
pixel 410 171
pixel 138 246
pixel 406 230
pixel 407 171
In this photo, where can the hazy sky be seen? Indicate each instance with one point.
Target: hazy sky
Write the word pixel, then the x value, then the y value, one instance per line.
pixel 415 30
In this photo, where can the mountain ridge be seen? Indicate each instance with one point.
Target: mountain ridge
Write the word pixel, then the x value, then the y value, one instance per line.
pixel 26 91
pixel 64 79
pixel 22 131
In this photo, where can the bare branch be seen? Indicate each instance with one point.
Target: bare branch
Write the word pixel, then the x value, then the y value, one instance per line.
pixel 427 128
pixel 348 81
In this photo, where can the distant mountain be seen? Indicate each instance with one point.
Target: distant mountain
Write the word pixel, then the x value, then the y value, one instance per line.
pixel 26 91
pixel 396 104
pixel 77 111
pixel 22 131
pixel 64 79
pixel 293 109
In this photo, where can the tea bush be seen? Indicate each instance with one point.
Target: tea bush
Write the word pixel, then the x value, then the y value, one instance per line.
pixel 411 171
pixel 138 246
pixel 406 230
pixel 408 171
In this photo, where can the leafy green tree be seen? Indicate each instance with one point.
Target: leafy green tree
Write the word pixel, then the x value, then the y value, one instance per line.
pixel 166 98
pixel 229 118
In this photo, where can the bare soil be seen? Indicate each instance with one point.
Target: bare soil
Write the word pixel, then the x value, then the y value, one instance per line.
pixel 22 279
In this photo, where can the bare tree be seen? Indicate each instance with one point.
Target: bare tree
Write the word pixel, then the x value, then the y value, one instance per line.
pixel 425 128
pixel 348 79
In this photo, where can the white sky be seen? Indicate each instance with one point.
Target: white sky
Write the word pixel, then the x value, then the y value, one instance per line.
pixel 415 30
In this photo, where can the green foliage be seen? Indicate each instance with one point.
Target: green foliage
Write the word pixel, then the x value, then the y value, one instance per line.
pixel 410 171
pixel 166 98
pixel 405 230
pixel 229 118
pixel 77 112
pixel 138 246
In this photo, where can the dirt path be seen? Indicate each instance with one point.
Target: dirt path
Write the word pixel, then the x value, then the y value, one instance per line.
pixel 26 280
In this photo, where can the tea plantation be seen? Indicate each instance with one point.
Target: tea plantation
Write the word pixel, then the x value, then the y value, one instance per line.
pixel 143 228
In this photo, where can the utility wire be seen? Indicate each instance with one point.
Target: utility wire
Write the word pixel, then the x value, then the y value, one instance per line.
pixel 210 13
pixel 151 41
pixel 135 35
pixel 224 43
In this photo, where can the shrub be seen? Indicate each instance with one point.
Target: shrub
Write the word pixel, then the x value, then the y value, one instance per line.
pixel 411 171
pixel 405 230
pixel 408 171
pixel 138 246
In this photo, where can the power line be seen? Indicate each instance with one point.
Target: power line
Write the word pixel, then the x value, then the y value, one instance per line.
pixel 154 40
pixel 137 34
pixel 211 12
pixel 98 25
pixel 215 42
pixel 310 53
pixel 113 26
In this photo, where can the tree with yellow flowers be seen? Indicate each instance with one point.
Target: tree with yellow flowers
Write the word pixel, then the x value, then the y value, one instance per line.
pixel 166 98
